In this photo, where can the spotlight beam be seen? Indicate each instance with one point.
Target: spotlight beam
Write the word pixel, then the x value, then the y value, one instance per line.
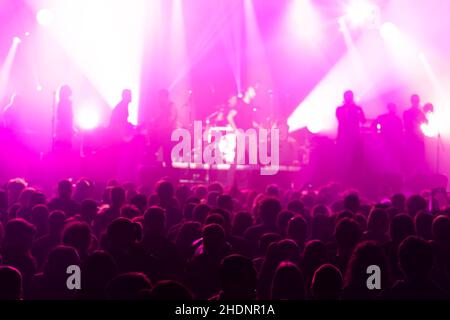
pixel 5 71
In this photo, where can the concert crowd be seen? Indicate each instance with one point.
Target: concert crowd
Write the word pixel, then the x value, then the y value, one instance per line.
pixel 211 242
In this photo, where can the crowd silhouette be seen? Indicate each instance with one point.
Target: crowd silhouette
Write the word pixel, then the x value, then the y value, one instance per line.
pixel 184 242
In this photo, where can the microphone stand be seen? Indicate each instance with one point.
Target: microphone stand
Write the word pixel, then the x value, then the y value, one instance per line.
pixel 438 152
pixel 53 120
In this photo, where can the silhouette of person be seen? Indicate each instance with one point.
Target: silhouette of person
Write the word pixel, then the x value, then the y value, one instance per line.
pixel 52 283
pixel 64 118
pixel 128 286
pixel 156 243
pixel 240 115
pixel 119 116
pixel 169 290
pixel 355 285
pixel 16 247
pixel 13 114
pixel 98 269
pixel 10 284
pixel 413 119
pixel 288 283
pixel 416 261
pixel 390 128
pixel 202 272
pixel 326 283
pixel 350 117
pixel 64 201
pixel 237 278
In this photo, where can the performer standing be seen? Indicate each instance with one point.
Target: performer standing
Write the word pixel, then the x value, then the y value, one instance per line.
pixel 119 116
pixel 13 115
pixel 64 119
pixel 390 128
pixel 350 117
pixel 413 119
pixel 240 115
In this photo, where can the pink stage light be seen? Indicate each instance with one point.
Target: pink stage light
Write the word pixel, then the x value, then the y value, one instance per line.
pixel 304 25
pixel 5 69
pixel 44 17
pixel 389 31
pixel 361 12
pixel 87 117
pixel 105 39
pixel 315 126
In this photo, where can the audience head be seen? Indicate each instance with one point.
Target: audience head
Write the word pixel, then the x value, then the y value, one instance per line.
pixel 165 190
pixel 139 201
pixel 10 284
pixel 265 241
pixel 415 258
pixel 283 219
pixel 268 211
pixel 225 201
pixel 56 221
pixel 327 283
pixel 415 204
pixel 423 222
pixel 272 190
pixel 441 230
pixel 296 206
pixel 121 234
pixel 297 229
pixel 398 201
pixel 89 210
pixel 347 233
pixel 154 220
pixel 242 221
pixel 98 269
pixel 213 238
pixel 39 216
pixel 129 211
pixel 55 269
pixel 169 290
pixel 18 236
pixel 238 278
pixel 200 212
pixel 288 283
pixel 378 221
pixel 401 227
pixel 366 254
pixel 14 187
pixel 352 202
pixel 65 189
pixel 78 235
pixel 117 197
pixel 127 286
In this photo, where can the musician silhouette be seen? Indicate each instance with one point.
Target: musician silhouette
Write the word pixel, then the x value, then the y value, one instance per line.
pixel 240 115
pixel 119 116
pixel 350 117
pixel 413 119
pixel 390 128
pixel 13 115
